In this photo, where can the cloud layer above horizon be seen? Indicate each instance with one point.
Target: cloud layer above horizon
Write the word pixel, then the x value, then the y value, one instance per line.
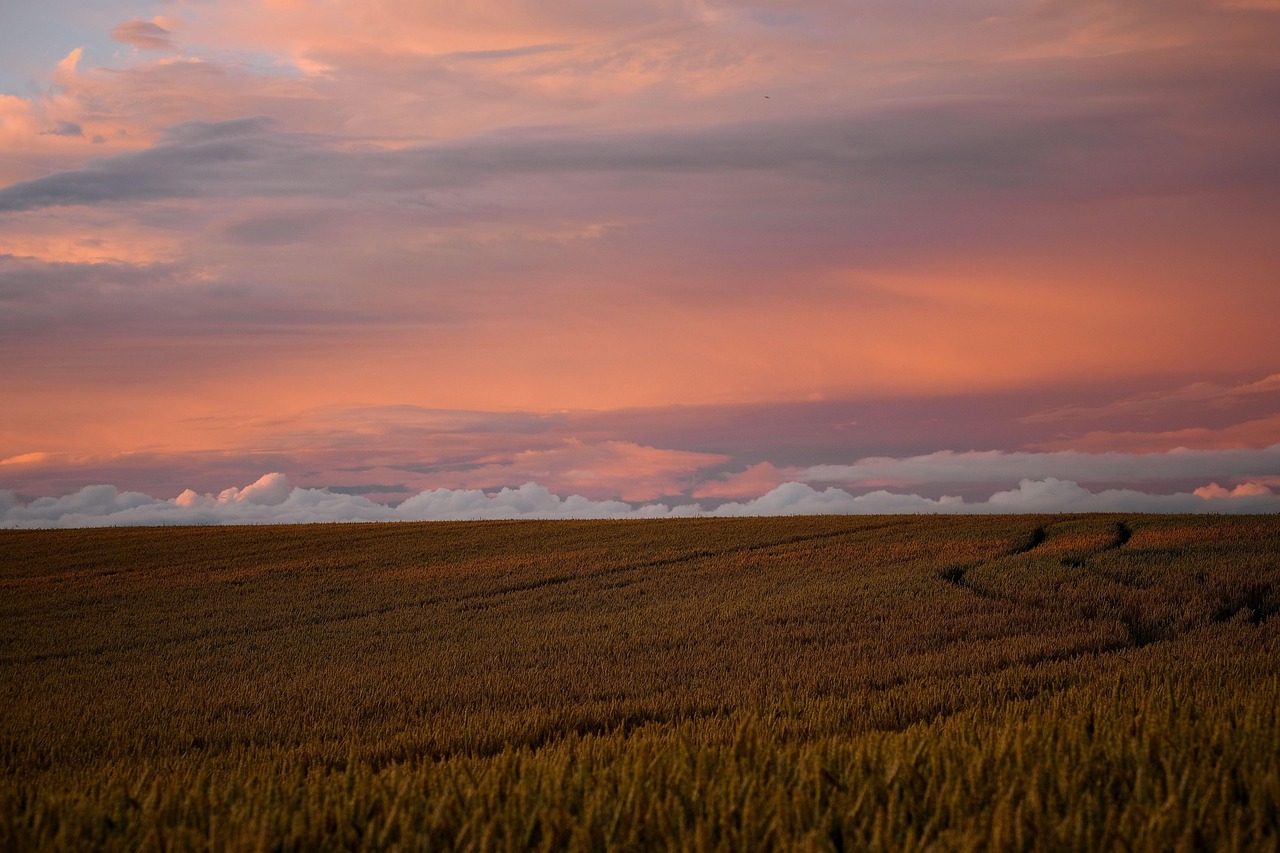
pixel 271 499
pixel 655 253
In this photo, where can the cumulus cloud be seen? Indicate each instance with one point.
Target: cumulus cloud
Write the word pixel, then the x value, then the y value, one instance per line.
pixel 269 490
pixel 271 500
pixel 801 499
pixel 91 505
pixel 1244 490
pixel 1031 496
pixel 528 501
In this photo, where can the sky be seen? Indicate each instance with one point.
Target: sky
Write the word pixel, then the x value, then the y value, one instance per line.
pixel 325 260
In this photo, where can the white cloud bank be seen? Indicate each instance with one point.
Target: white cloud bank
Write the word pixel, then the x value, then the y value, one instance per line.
pixel 271 500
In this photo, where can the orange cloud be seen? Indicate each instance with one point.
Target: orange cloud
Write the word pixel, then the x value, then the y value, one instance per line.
pixel 95 238
pixel 34 458
pixel 607 469
pixel 756 480
pixel 1262 432
pixel 1244 490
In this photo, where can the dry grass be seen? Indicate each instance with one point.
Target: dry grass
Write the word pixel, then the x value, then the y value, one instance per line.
pixel 894 683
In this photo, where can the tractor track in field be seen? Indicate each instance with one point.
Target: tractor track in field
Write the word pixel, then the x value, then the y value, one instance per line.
pixel 957 575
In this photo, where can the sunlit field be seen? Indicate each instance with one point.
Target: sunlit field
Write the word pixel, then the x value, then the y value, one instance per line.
pixel 833 683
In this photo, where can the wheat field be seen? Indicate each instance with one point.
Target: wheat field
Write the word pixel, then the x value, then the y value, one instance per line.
pixel 830 683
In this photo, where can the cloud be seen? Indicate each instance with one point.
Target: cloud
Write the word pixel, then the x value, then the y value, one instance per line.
pixel 67 66
pixel 528 501
pixel 899 150
pixel 635 455
pixel 101 503
pixel 995 466
pixel 592 207
pixel 1258 433
pixel 156 299
pixel 1050 495
pixel 269 490
pixel 1201 415
pixel 1244 490
pixel 1197 394
pixel 65 128
pixel 508 53
pixel 33 458
pixel 755 480
pixel 632 471
pixel 802 499
pixel 193 159
pixel 144 35
pixel 270 500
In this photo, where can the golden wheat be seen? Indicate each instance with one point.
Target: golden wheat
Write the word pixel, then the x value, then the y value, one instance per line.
pixel 1008 683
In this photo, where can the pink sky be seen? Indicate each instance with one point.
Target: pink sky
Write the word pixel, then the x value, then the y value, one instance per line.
pixel 661 251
